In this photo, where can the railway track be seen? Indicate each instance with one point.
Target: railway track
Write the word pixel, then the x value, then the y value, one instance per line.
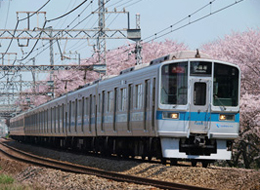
pixel 74 168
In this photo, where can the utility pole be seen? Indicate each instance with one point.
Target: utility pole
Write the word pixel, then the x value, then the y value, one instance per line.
pixel 138 46
pixel 33 76
pixel 101 40
pixel 133 34
pixel 51 62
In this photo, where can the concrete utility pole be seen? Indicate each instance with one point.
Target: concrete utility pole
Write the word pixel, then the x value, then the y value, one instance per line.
pixel 138 46
pixel 133 34
pixel 101 40
pixel 33 76
pixel 51 63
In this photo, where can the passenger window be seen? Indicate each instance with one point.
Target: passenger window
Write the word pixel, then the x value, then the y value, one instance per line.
pixel 82 114
pixel 109 101
pixel 70 114
pixel 138 95
pixel 123 99
pixel 76 114
pixel 90 111
pixel 86 107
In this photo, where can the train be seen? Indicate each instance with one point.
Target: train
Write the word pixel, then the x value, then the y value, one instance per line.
pixel 182 106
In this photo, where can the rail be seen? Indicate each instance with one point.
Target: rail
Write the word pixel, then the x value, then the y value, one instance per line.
pixel 68 167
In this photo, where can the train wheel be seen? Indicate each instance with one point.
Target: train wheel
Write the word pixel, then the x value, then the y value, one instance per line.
pixel 173 162
pixel 205 164
pixel 193 163
pixel 163 160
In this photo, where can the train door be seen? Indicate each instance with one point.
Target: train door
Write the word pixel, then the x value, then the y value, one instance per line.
pixel 90 113
pixel 146 105
pixel 102 110
pixel 200 106
pixel 129 106
pixel 95 113
pixel 115 109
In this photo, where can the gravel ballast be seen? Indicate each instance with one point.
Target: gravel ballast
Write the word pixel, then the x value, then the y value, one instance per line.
pixel 211 177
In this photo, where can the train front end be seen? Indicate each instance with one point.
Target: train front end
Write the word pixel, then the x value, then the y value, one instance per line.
pixel 198 109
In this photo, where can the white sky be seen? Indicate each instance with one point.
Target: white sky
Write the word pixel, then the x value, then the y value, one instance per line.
pixel 155 16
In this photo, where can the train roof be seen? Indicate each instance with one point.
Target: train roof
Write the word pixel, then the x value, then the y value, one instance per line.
pixel 172 56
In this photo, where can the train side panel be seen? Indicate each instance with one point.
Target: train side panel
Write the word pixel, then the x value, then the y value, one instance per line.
pixel 126 104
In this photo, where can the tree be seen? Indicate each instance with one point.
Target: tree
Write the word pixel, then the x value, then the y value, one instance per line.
pixel 117 60
pixel 243 49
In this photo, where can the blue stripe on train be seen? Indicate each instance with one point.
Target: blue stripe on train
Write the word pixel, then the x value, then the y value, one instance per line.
pixel 195 116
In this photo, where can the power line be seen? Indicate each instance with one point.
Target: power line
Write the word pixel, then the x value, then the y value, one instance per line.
pixel 178 28
pixel 58 32
pixel 134 3
pixel 50 20
pixel 7 13
pixel 190 22
pixel 181 20
pixel 124 3
pixel 59 17
pixel 17 23
pixel 66 11
pixel 35 11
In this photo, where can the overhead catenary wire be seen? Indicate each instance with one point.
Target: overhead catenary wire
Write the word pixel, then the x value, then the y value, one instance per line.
pixel 124 3
pixel 35 11
pixel 180 27
pixel 133 3
pixel 181 20
pixel 78 17
pixel 50 20
pixel 115 12
pixel 17 23
pixel 57 34
pixel 196 11
pixel 174 29
pixel 191 22
pixel 66 14
pixel 7 15
pixel 61 31
pixel 66 11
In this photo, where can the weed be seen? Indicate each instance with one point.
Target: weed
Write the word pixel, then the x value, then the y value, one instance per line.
pixel 5 179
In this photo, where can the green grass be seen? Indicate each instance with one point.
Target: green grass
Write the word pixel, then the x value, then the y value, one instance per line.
pixel 7 183
pixel 5 179
pixel 14 187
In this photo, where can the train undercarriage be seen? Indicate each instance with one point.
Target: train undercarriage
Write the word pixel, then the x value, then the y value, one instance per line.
pixel 145 147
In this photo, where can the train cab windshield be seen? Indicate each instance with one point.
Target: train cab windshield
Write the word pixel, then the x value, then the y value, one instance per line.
pixel 175 77
pixel 174 83
pixel 225 85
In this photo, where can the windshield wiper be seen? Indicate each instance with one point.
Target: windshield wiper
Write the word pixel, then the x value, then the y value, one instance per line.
pixel 215 96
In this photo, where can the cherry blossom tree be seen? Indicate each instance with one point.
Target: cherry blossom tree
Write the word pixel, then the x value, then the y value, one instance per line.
pixel 117 60
pixel 243 49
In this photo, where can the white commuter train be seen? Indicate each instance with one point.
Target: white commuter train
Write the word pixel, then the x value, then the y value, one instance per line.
pixel 180 106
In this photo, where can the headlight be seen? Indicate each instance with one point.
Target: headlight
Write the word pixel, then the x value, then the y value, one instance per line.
pixel 174 115
pixel 167 115
pixel 223 117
